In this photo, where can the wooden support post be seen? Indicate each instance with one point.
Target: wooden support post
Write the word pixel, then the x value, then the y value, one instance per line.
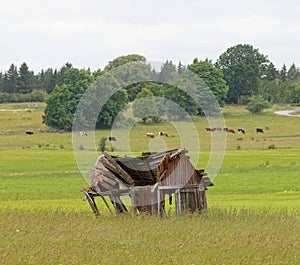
pixel 178 201
pixel 106 203
pixel 92 203
pixel 133 201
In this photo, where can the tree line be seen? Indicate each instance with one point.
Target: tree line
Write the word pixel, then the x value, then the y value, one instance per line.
pixel 241 75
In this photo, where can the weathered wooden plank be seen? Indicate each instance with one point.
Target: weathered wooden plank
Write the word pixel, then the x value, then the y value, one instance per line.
pixel 92 203
pixel 121 172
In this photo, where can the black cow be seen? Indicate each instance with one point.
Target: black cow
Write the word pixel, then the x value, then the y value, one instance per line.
pixel 112 138
pixel 241 130
pixel 259 130
pixel 29 132
pixel 163 134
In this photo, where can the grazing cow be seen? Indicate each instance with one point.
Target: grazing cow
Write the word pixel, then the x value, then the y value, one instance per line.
pixel 208 129
pixel 29 132
pixel 150 135
pixel 112 138
pixel 259 130
pixel 229 130
pixel 84 133
pixel 163 134
pixel 241 130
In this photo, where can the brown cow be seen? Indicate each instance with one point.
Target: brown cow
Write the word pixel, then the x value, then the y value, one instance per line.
pixel 150 135
pixel 229 130
pixel 208 129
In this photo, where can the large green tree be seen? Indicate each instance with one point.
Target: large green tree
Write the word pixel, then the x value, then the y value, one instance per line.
pixel 270 90
pixel 125 59
pixel 57 113
pixel 60 109
pixel 213 78
pixel 112 108
pixel 144 106
pixel 243 67
pixel 130 71
pixel 184 102
pixel 77 81
pixel 101 104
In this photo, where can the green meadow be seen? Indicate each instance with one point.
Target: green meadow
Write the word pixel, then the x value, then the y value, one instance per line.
pixel 253 208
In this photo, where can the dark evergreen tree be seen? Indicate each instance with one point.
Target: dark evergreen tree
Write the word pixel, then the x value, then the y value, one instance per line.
pixel 10 80
pixel 271 73
pixel 180 68
pixel 283 73
pixel 60 75
pixel 47 80
pixel 1 82
pixel 168 72
pixel 292 73
pixel 25 82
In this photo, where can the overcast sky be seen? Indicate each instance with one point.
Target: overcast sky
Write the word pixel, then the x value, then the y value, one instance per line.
pixel 90 33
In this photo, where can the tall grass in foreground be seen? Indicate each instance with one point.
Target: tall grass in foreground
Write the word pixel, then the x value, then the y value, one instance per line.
pixel 216 237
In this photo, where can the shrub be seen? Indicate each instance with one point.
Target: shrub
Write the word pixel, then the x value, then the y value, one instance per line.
pixel 257 104
pixel 102 144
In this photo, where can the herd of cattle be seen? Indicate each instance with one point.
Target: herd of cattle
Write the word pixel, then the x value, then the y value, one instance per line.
pixel 209 129
pixel 230 130
pixel 165 134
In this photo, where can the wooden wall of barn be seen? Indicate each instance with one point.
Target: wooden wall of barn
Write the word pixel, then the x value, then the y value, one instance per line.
pixel 180 172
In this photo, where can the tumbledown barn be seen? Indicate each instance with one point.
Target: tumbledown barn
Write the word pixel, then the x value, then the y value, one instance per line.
pixel 147 180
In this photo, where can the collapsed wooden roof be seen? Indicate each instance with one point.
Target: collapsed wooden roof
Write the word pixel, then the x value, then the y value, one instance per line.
pixel 170 167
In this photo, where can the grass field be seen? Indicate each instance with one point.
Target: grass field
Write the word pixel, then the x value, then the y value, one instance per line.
pixel 253 215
